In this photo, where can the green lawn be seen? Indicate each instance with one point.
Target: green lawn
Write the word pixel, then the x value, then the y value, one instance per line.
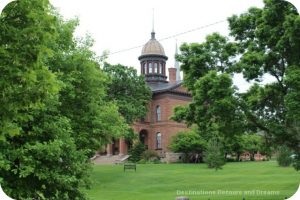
pixel 165 181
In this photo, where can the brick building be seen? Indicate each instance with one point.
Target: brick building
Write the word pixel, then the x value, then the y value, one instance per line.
pixel 157 129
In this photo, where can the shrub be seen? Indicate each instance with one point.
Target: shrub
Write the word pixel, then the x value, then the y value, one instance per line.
pixel 136 152
pixel 188 143
pixel 150 155
pixel 214 156
pixel 230 160
pixel 142 161
pixel 284 158
pixel 296 162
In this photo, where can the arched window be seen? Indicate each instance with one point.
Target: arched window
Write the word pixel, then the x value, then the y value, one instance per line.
pixel 145 68
pixel 158 113
pixel 155 68
pixel 160 68
pixel 150 68
pixel 158 140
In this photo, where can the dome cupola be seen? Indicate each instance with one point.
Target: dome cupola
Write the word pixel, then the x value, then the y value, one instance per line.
pixel 153 61
pixel 153 47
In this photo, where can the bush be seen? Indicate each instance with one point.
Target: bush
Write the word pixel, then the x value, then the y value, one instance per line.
pixel 284 158
pixel 188 143
pixel 155 161
pixel 214 156
pixel 296 162
pixel 230 160
pixel 136 152
pixel 142 161
pixel 150 155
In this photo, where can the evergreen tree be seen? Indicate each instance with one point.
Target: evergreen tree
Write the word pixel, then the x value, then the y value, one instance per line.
pixel 214 155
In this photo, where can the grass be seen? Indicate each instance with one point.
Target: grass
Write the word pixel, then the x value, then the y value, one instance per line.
pixel 166 181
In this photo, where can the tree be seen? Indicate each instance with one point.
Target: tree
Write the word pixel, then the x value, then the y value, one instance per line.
pixel 39 158
pixel 264 42
pixel 269 42
pixel 207 68
pixel 252 144
pixel 26 82
pixel 234 146
pixel 128 90
pixel 189 143
pixel 136 152
pixel 95 121
pixel 284 158
pixel 216 53
pixel 54 113
pixel 213 103
pixel 214 155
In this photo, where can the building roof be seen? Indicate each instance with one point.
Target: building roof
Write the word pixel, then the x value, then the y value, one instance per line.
pixel 158 87
pixel 153 47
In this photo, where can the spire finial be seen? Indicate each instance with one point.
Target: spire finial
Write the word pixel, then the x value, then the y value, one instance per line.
pixel 176 64
pixel 152 19
pixel 152 33
pixel 176 48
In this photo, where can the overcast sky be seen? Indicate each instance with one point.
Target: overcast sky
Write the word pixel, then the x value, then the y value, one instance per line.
pixel 117 25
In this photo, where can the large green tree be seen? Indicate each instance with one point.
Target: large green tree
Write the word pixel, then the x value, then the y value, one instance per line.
pixel 83 97
pixel 269 43
pixel 53 109
pixel 265 41
pixel 207 70
pixel 189 143
pixel 213 103
pixel 128 90
pixel 216 53
pixel 38 155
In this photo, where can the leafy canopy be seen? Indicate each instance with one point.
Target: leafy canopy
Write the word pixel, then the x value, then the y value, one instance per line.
pixel 128 90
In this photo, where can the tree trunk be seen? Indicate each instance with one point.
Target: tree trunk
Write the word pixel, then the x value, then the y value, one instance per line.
pixel 252 156
pixel 238 155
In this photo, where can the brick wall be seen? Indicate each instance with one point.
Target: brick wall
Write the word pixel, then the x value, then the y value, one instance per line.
pixel 167 127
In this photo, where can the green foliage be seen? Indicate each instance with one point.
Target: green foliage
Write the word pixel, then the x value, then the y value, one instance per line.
pixel 234 146
pixel 44 162
pixel 150 155
pixel 188 143
pixel 216 53
pixel 296 162
pixel 269 42
pixel 26 83
pixel 128 90
pixel 252 143
pixel 284 158
pixel 53 108
pixel 265 41
pixel 83 99
pixel 206 67
pixel 39 158
pixel 214 155
pixel 136 152
pixel 213 103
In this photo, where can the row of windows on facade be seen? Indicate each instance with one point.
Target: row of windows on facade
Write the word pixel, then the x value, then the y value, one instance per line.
pixel 153 67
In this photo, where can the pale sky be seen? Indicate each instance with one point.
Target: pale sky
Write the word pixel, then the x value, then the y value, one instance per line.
pixel 116 25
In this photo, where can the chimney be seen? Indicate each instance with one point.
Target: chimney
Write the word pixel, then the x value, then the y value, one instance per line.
pixel 172 75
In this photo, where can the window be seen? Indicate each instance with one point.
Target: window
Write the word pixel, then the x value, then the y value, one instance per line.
pixel 158 140
pixel 160 68
pixel 155 68
pixel 145 68
pixel 158 113
pixel 150 68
